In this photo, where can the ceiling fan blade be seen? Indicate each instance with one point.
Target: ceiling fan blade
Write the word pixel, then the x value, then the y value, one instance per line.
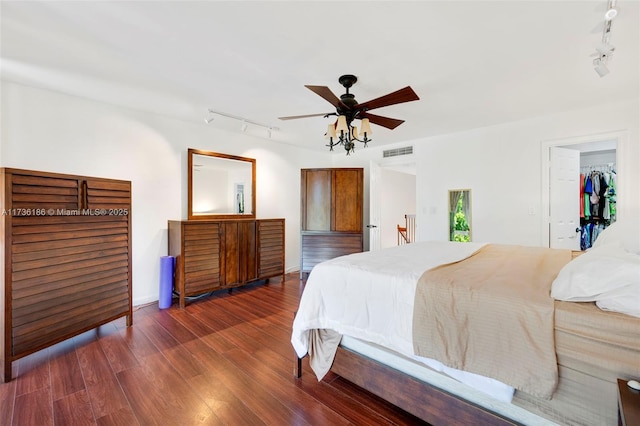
pixel 389 123
pixel 327 94
pixel 399 96
pixel 294 117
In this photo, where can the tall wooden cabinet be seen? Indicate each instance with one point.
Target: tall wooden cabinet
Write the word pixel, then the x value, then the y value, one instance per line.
pixel 216 254
pixel 66 258
pixel 331 214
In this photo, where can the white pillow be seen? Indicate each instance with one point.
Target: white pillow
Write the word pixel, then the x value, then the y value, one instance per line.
pixel 599 274
pixel 625 232
pixel 626 300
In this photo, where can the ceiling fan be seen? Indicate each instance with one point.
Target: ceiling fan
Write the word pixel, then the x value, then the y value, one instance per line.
pixel 348 109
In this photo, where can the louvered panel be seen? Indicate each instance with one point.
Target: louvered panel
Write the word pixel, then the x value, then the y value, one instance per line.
pixel 108 193
pixel 64 235
pixel 53 228
pixel 207 235
pixel 114 197
pixel 201 251
pixel 33 199
pixel 26 259
pixel 75 322
pixel 68 219
pixel 52 271
pixel 39 189
pixel 45 275
pixel 76 297
pixel 318 248
pixel 108 201
pixel 108 185
pixel 32 180
pixel 271 247
pixel 212 273
pixel 201 258
pixel 43 193
pixel 41 264
pixel 60 244
pixel 67 288
pixel 205 264
pixel 210 243
pixel 199 286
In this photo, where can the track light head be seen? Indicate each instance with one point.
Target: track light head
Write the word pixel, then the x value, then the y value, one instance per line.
pixel 600 67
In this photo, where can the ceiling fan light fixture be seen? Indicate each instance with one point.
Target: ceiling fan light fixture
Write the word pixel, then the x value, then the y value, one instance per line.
pixel 342 127
pixel 365 127
pixel 331 132
pixel 344 132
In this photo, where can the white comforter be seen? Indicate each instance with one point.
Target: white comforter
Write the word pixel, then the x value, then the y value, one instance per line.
pixel 370 296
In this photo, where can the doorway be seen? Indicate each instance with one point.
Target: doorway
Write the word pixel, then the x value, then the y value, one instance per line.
pixel 392 195
pixel 562 224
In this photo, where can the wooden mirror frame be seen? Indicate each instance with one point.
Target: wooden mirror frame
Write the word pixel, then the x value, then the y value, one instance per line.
pixel 224 215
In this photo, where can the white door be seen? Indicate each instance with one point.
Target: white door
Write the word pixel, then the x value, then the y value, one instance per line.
pixel 375 208
pixel 564 198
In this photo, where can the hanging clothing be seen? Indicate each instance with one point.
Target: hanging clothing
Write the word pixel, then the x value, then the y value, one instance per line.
pixel 612 196
pixel 595 197
pixel 581 194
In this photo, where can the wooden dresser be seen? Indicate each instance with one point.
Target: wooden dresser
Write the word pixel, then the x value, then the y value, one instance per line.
pixel 66 258
pixel 226 253
pixel 331 214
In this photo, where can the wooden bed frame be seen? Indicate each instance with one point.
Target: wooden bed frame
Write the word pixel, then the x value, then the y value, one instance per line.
pixel 424 401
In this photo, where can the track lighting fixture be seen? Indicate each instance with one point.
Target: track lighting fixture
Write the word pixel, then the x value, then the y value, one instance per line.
pixel 611 12
pixel 245 122
pixel 604 52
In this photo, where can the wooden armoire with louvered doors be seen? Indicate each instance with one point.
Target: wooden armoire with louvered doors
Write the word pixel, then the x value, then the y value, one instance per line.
pixel 330 215
pixel 66 258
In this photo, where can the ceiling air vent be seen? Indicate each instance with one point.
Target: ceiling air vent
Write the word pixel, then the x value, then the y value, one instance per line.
pixel 407 150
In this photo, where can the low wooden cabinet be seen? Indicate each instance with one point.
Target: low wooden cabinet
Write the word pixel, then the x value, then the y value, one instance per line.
pixel 66 264
pixel 216 254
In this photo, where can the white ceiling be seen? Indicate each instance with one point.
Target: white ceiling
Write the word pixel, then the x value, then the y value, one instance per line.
pixel 473 63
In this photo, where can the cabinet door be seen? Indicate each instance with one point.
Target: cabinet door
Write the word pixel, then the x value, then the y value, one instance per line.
pixel 316 200
pixel 109 195
pixel 239 251
pixel 68 273
pixel 347 200
pixel 270 248
pixel 51 194
pixel 202 271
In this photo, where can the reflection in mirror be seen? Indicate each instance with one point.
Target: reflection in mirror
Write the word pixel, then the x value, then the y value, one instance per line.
pixel 460 215
pixel 220 185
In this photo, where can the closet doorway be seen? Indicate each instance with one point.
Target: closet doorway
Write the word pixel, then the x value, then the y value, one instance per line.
pixel 566 166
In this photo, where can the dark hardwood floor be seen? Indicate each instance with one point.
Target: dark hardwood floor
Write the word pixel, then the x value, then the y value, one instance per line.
pixel 225 359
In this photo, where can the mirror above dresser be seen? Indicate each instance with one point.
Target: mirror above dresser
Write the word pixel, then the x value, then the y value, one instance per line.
pixel 220 186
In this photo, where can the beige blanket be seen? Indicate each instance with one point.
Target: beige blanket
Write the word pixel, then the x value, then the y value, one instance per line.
pixel 492 314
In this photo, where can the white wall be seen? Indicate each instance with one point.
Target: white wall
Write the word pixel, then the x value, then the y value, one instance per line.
pixel 502 166
pixel 398 195
pixel 43 130
pixel 49 131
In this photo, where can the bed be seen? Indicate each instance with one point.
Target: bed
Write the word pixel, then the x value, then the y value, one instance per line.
pixel 358 316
